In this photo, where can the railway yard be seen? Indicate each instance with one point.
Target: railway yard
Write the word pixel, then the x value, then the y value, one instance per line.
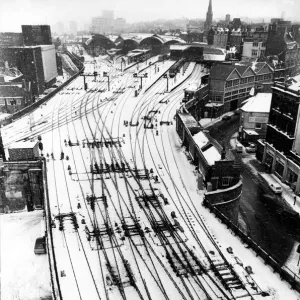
pixel 127 217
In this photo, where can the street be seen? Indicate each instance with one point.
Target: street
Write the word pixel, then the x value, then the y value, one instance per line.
pixel 258 220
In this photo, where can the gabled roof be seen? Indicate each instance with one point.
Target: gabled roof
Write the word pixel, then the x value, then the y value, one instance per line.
pixel 221 71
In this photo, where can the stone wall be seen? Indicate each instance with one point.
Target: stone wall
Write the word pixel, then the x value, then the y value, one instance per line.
pixel 226 201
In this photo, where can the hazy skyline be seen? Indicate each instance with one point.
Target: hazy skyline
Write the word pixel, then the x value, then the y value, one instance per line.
pixel 14 13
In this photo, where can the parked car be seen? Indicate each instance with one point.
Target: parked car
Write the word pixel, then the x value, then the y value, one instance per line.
pixel 251 148
pixel 239 148
pixel 226 117
pixel 276 188
pixel 40 246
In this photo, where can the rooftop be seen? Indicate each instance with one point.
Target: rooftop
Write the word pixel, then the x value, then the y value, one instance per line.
pixel 22 145
pixel 261 102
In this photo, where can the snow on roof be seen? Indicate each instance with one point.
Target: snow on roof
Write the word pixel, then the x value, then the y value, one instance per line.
pixel 251 132
pixel 200 139
pixel 192 88
pixel 179 47
pixel 296 83
pixel 261 102
pixel 211 155
pixel 22 145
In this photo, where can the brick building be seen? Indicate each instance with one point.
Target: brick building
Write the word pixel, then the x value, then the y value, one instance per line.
pixel 218 37
pixel 34 35
pixel 220 175
pixel 282 144
pixel 37 64
pixel 14 96
pixel 254 117
pixel 230 84
pixel 281 43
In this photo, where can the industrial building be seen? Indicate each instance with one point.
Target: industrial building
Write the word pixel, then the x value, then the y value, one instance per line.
pixel 34 35
pixel 37 64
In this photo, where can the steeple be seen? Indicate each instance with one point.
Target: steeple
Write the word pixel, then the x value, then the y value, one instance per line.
pixel 209 17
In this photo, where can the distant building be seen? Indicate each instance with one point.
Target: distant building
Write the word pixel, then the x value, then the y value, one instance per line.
pixel 103 24
pixel 253 48
pixel 235 39
pixel 34 35
pixel 281 43
pixel 14 96
pixel 230 84
pixel 119 25
pixel 227 19
pixel 73 28
pixel 59 28
pixel 218 37
pixel 11 39
pixel 209 17
pixel 254 117
pixel 236 23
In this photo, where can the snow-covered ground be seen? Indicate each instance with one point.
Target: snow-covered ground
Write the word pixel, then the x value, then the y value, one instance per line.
pixel 130 246
pixel 24 275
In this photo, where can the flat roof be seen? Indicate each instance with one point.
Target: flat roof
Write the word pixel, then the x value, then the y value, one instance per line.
pixel 250 132
pixel 188 120
pixel 261 102
pixel 22 145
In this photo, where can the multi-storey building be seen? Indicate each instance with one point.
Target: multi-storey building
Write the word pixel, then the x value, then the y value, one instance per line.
pixel 11 39
pixel 230 84
pixel 253 48
pixel 37 64
pixel 282 145
pixel 34 35
pixel 218 37
pixel 235 39
pixel 281 43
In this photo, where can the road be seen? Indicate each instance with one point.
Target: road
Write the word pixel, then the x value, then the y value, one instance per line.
pixel 129 219
pixel 261 223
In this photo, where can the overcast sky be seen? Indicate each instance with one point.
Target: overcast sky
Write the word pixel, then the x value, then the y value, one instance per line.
pixel 14 13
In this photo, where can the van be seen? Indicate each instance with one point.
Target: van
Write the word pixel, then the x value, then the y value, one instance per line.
pixel 239 148
pixel 40 246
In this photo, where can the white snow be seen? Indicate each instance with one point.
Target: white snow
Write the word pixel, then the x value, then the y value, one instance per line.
pixel 91 115
pixel 261 102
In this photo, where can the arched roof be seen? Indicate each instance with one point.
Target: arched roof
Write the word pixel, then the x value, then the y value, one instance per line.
pixel 97 39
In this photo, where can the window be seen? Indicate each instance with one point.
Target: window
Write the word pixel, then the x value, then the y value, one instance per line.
pixel 259 78
pixel 2 102
pixel 242 90
pixel 235 92
pixel 254 52
pixel 243 80
pixel 255 44
pixel 19 102
pixel 262 52
pixel 236 82
pixel 267 76
pixel 228 83
pixel 225 181
pixel 263 45
pixel 218 98
pixel 258 125
pixel 251 79
pixel 249 89
pixel 227 94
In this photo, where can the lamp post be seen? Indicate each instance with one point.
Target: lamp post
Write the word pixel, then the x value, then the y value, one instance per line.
pixel 166 76
pixel 106 75
pixel 145 75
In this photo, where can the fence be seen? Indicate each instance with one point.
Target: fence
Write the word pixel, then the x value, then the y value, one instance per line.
pixel 284 272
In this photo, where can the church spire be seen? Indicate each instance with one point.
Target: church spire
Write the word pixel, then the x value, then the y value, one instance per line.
pixel 209 17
